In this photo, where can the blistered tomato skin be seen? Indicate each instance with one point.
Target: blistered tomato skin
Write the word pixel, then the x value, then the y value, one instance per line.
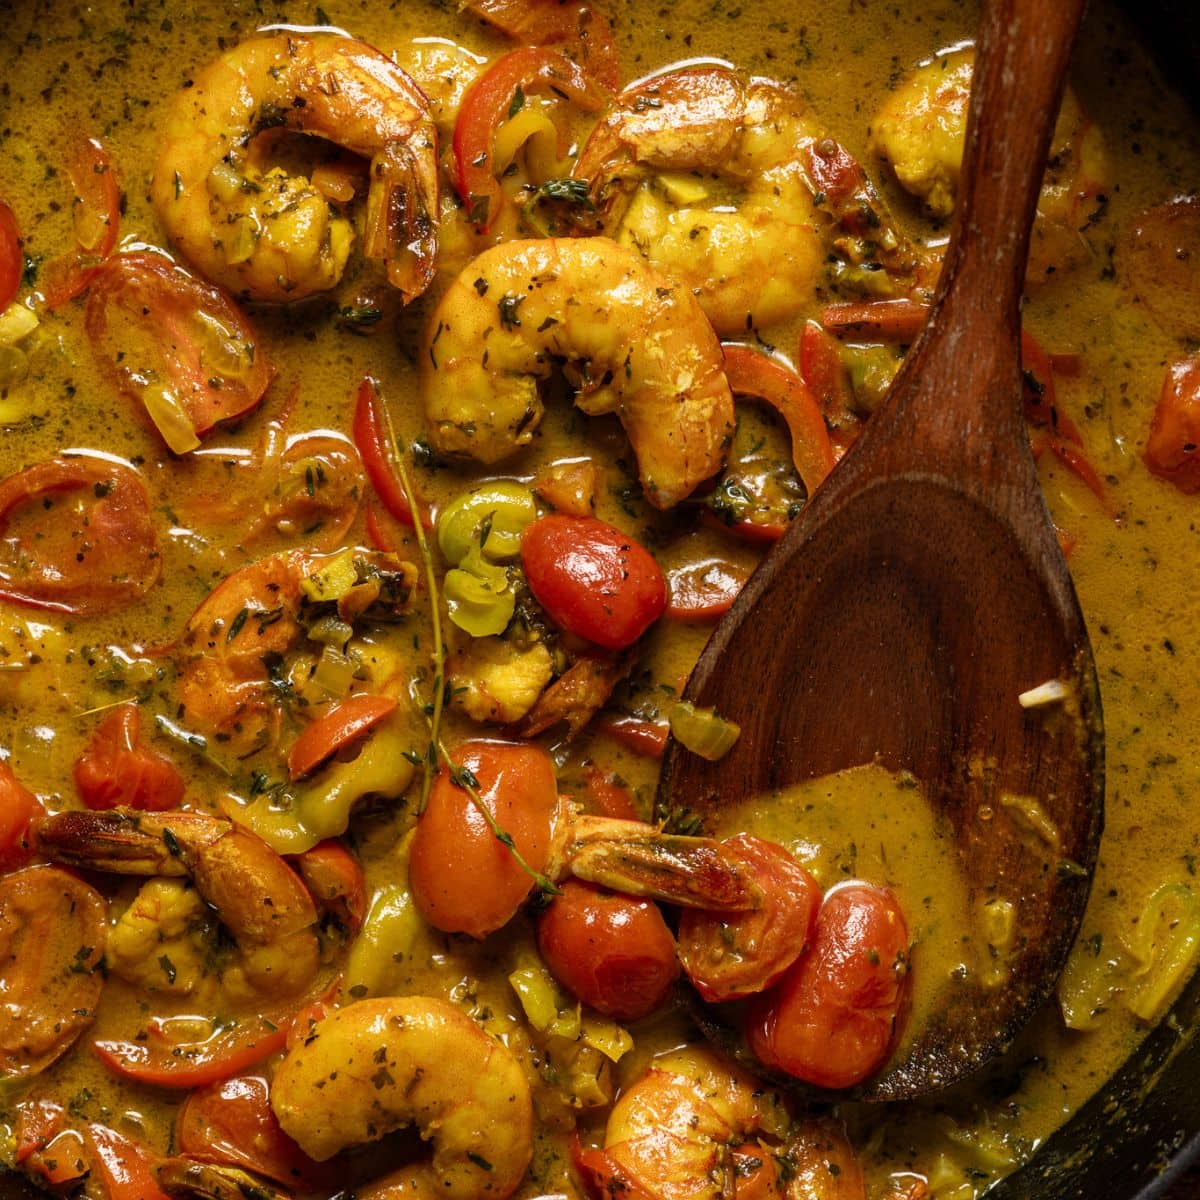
pixel 833 1018
pixel 593 580
pixel 615 953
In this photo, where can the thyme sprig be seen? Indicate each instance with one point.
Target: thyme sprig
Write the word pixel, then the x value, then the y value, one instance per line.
pixel 463 778
pixel 434 712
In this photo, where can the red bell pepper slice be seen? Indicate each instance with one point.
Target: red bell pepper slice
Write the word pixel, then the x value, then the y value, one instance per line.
pixel 343 724
pixel 752 373
pixel 11 263
pixel 488 102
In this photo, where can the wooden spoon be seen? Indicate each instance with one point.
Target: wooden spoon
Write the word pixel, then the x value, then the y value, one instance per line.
pixel 922 591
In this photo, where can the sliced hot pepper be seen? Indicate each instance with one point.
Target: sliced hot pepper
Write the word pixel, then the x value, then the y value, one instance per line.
pixel 371 438
pixel 11 264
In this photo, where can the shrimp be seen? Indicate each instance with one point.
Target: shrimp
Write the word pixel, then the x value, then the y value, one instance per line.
pixel 52 936
pixel 379 1065
pixel 920 132
pixel 257 897
pixel 672 155
pixel 695 1127
pixel 266 234
pixel 633 342
pixel 252 619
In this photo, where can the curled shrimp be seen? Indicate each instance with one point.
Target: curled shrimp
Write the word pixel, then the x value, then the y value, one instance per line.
pixel 920 131
pixel 633 342
pixel 695 1127
pixel 52 935
pixel 252 619
pixel 257 897
pixel 380 1065
pixel 703 172
pixel 270 235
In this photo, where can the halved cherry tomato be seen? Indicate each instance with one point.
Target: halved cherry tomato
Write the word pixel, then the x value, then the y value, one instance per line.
pixel 162 1062
pixel 823 1163
pixel 43 1147
pixel 233 1122
pixel 609 796
pixel 123 1165
pixel 341 726
pixel 731 955
pixel 833 1018
pixel 77 536
pixel 645 738
pixel 148 318
pixel 374 445
pixel 1173 447
pixel 317 492
pixel 116 769
pixel 823 371
pixel 96 214
pixel 488 101
pixel 834 172
pixel 593 580
pixel 20 811
pixel 704 589
pixel 463 879
pixel 334 877
pixel 751 373
pixel 11 264
pixel 613 952
pixel 1159 255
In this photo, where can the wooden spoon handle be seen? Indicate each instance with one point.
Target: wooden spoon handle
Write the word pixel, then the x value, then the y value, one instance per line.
pixel 1021 62
pixel 955 408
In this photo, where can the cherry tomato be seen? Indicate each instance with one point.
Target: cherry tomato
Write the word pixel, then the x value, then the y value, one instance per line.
pixel 341 726
pixel 334 877
pixel 615 953
pixel 11 263
pixel 374 445
pixel 1158 257
pixel 43 1147
pixel 150 320
pixel 648 739
pixel 233 1122
pixel 755 1172
pixel 96 214
pixel 834 171
pixel 731 955
pixel 609 797
pixel 704 589
pixel 123 1165
pixel 751 373
pixel 77 536
pixel 463 879
pixel 20 811
pixel 593 580
pixel 116 769
pixel 832 1019
pixel 1173 447
pixel 488 102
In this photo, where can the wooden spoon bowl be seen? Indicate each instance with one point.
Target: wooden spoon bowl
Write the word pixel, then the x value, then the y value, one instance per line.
pixel 922 591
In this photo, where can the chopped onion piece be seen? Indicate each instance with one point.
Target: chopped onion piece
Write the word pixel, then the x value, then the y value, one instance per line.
pixel 1053 691
pixel 170 418
pixel 702 731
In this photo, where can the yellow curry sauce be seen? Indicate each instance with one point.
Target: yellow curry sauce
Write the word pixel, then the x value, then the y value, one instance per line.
pixel 111 71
